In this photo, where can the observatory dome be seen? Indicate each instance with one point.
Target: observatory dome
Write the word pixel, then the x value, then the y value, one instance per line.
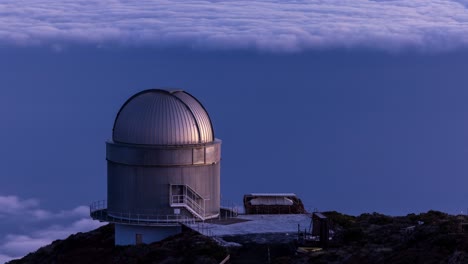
pixel 160 117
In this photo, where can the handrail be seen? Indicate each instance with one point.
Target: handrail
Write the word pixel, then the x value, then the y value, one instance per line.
pixel 231 207
pixel 97 205
pixel 192 202
pixel 194 192
pixel 184 199
pixel 190 199
pixel 189 204
pixel 98 211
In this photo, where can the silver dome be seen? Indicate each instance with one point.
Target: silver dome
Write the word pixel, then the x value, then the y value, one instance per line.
pixel 160 117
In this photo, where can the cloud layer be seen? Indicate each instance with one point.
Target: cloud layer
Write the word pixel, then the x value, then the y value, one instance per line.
pixel 261 24
pixel 26 227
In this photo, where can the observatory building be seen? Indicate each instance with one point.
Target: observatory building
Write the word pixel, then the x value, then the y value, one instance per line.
pixel 163 167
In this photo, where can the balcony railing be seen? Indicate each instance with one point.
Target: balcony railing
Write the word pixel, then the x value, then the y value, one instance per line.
pixel 98 211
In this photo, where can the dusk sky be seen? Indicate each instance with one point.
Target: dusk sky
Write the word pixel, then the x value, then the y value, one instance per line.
pixel 355 106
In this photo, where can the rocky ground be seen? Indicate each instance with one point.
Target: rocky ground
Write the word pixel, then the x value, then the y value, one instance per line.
pixel 431 237
pixel 97 246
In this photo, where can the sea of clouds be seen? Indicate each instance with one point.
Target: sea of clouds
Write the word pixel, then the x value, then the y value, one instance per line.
pixel 26 226
pixel 267 25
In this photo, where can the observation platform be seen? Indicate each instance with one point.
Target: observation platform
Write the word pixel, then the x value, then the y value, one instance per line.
pixel 98 211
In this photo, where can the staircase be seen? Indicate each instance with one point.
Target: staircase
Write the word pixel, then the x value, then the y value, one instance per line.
pixel 186 197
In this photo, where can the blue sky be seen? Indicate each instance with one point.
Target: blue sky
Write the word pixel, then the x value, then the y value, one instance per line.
pixel 356 106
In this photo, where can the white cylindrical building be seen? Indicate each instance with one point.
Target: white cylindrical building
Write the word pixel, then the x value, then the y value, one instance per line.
pixel 163 167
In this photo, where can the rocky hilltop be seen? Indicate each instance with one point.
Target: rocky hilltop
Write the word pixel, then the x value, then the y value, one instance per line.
pixel 431 237
pixel 97 246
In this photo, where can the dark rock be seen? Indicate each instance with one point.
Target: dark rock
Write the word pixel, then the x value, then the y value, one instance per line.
pixel 97 246
pixel 431 237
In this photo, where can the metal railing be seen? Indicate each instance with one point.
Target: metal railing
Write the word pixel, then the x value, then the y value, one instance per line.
pixel 98 211
pixel 231 210
pixel 97 205
pixel 188 199
pixel 203 229
pixel 189 203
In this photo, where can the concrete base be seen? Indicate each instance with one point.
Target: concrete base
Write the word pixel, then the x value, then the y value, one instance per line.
pixel 134 234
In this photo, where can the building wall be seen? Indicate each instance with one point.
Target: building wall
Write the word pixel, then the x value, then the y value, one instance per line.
pixel 157 155
pixel 126 234
pixel 137 182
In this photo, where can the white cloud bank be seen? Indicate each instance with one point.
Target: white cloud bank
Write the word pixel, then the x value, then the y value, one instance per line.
pixel 272 25
pixel 26 227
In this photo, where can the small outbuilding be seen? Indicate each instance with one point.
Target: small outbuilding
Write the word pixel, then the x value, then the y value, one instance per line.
pixel 321 228
pixel 273 203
